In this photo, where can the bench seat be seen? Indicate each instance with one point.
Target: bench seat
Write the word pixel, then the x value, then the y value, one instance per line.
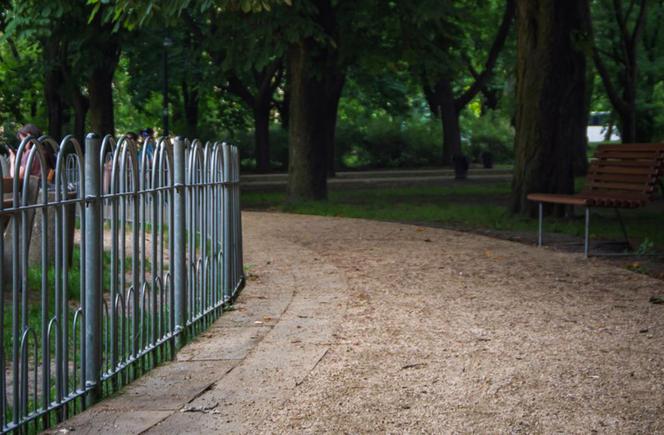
pixel 619 176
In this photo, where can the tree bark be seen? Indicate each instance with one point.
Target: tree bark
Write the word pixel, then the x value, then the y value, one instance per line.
pixel 54 103
pixel 52 88
pixel 316 79
pixel 307 169
pixel 106 47
pixel 551 98
pixel 100 87
pixel 449 116
pixel 190 105
pixel 262 134
pixel 81 104
pixel 334 86
pixel 284 106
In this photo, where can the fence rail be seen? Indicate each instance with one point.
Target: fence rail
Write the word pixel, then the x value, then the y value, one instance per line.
pixel 109 262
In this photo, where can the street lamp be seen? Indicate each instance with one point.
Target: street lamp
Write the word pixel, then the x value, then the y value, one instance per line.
pixel 168 42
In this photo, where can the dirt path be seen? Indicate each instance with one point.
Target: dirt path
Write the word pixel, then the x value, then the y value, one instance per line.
pixel 355 326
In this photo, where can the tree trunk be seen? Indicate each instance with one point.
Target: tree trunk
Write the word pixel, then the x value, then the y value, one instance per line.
pixel 190 102
pixel 100 84
pixel 581 152
pixel 284 106
pixel 449 116
pixel 100 87
pixel 52 89
pixel 628 123
pixel 334 87
pixel 81 105
pixel 54 104
pixel 307 170
pixel 490 100
pixel 551 98
pixel 262 133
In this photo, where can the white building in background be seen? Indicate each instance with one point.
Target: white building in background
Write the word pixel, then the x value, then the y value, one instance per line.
pixel 598 128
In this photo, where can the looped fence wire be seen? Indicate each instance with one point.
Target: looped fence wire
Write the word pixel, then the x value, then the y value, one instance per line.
pixel 109 262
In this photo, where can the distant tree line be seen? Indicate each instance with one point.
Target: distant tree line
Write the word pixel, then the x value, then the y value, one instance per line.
pixel 323 73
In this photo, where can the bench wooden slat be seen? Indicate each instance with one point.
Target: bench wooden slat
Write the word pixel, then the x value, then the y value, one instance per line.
pixel 621 170
pixel 631 146
pixel 614 185
pixel 628 156
pixel 652 166
pixel 620 175
pixel 558 199
pixel 627 178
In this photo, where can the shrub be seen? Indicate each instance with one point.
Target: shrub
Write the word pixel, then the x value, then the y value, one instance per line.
pixel 491 133
pixel 385 142
pixel 278 148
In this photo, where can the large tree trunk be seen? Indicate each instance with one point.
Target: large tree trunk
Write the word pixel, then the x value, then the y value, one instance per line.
pixel 307 169
pixel 54 104
pixel 580 165
pixel 449 116
pixel 100 87
pixel 80 103
pixel 551 98
pixel 262 133
pixel 52 89
pixel 100 84
pixel 335 84
pixel 315 82
pixel 627 111
pixel 284 106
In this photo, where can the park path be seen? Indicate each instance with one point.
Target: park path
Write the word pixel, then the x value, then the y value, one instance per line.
pixel 354 326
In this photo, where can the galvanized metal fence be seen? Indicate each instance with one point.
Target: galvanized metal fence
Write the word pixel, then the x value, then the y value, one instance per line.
pixel 109 262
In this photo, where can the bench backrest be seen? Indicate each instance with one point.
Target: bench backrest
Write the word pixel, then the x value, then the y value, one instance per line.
pixel 627 171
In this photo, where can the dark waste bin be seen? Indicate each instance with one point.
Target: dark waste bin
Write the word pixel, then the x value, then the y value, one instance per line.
pixel 461 164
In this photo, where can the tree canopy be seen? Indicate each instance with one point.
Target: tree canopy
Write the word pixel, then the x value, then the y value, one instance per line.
pixel 319 85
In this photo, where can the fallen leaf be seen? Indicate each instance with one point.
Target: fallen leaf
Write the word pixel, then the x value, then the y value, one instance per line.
pixel 413 366
pixel 657 300
pixel 204 408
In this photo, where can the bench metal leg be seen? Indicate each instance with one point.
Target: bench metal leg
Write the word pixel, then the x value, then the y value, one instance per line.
pixel 539 233
pixel 585 240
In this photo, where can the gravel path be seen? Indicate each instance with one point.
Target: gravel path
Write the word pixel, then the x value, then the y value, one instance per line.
pixel 353 326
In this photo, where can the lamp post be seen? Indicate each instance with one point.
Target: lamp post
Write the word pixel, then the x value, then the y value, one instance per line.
pixel 168 42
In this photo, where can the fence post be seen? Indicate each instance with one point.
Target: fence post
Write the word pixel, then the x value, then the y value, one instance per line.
pixel 239 253
pixel 93 284
pixel 226 221
pixel 238 216
pixel 179 243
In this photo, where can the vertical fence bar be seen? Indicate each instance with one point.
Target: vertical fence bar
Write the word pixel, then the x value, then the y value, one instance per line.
pixel 93 306
pixel 226 223
pixel 197 194
pixel 179 243
pixel 239 252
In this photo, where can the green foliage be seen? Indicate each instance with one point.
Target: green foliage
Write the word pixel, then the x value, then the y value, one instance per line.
pixel 136 13
pixel 278 148
pixel 491 133
pixel 385 142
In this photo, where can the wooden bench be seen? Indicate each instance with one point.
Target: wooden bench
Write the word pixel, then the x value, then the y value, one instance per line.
pixel 619 176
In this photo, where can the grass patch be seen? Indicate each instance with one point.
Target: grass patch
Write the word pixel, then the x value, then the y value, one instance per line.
pixel 475 206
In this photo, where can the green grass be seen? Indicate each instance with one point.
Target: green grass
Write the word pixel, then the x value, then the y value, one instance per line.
pixel 472 207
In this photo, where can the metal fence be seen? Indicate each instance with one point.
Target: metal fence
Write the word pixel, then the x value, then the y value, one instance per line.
pixel 110 261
